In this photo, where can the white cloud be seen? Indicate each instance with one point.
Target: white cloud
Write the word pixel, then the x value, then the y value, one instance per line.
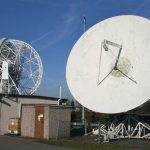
pixel 141 6
pixel 42 37
pixel 67 26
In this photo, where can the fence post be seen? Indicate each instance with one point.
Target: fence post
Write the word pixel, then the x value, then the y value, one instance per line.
pixel 85 127
pixel 99 133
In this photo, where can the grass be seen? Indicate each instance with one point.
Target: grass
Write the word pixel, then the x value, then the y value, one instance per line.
pixel 85 146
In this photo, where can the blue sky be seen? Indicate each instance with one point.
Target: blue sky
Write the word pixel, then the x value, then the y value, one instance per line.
pixel 53 26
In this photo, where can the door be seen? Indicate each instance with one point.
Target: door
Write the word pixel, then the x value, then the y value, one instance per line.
pixel 39 122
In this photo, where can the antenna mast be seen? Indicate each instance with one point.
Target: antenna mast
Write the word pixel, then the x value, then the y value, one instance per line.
pixel 83 110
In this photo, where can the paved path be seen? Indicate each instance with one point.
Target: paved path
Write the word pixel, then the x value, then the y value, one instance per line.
pixel 18 143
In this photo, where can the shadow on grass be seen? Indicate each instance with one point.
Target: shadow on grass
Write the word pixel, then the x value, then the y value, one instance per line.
pixel 85 146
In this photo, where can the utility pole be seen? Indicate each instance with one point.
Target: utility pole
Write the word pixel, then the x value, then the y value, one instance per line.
pixel 83 110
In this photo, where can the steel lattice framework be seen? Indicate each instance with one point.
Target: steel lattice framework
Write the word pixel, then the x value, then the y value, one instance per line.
pixel 24 67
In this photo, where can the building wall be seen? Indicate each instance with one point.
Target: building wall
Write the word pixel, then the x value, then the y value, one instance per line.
pixel 10 108
pixel 46 122
pixel 65 123
pixel 28 121
pixel 7 111
pixel 56 121
pixel 59 122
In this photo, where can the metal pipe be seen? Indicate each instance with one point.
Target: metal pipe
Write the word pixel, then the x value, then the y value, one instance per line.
pixel 60 95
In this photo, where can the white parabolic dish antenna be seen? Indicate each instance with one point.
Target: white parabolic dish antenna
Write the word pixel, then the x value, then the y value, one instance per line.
pixel 108 69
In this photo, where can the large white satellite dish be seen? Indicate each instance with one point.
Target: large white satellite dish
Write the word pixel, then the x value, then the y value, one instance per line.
pixel 108 69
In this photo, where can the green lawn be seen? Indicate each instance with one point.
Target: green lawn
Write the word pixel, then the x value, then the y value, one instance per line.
pixel 85 146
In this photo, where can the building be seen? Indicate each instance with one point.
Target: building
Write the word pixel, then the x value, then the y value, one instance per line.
pixel 10 107
pixel 45 121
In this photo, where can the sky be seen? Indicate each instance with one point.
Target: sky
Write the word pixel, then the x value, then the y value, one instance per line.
pixel 52 27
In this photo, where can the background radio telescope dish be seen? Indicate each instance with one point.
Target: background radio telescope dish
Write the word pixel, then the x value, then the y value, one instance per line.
pixel 108 69
pixel 20 68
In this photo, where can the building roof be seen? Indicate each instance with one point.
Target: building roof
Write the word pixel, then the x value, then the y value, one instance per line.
pixel 34 97
pixel 52 106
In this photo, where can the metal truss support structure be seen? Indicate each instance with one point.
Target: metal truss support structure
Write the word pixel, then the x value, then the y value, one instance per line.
pixel 130 126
